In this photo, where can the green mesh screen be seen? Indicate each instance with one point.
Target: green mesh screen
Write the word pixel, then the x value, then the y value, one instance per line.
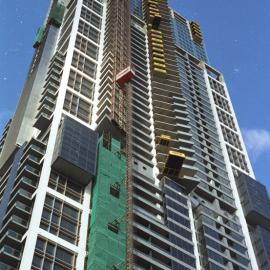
pixel 39 36
pixel 107 249
pixel 57 14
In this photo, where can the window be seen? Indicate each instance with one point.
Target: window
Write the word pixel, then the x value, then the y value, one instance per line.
pixel 177 207
pixel 114 226
pixel 47 265
pixel 37 261
pixel 86 47
pixel 63 255
pixel 115 190
pixel 78 107
pixel 61 220
pixel 52 256
pixel 91 17
pixel 80 84
pixel 89 31
pixel 94 5
pixel 175 217
pixel 84 64
pixel 40 244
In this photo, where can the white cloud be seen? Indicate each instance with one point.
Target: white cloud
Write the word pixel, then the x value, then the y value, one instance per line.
pixel 236 70
pixel 257 142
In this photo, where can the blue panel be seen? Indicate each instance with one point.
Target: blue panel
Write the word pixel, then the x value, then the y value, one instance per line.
pixel 183 40
pixel 136 8
pixel 175 200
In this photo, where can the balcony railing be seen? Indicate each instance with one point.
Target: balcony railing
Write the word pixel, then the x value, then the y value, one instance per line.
pixel 11 251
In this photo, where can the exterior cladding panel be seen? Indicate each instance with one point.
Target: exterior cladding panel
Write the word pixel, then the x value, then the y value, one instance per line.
pixel 76 150
pixel 136 8
pixel 256 204
pixel 107 240
pixel 176 200
pixel 183 38
pixel 261 242
pixel 255 201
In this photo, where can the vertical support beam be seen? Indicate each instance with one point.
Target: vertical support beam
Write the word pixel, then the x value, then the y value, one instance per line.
pixel 239 211
pixel 32 233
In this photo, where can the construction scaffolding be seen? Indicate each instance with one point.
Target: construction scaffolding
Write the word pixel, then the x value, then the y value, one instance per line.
pixel 39 36
pixel 107 240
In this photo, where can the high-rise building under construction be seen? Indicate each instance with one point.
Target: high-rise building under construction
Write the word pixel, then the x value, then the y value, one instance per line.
pixel 124 151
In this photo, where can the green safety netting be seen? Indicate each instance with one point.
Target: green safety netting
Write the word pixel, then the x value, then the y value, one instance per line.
pixel 57 14
pixel 107 249
pixel 39 36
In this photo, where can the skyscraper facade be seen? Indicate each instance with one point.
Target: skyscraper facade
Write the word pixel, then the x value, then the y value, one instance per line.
pixel 124 151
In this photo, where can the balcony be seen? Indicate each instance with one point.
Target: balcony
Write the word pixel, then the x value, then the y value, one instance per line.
pixel 11 238
pixel 212 266
pixel 186 143
pixel 43 120
pixel 154 209
pixel 147 184
pixel 4 266
pixel 58 65
pixel 47 100
pixel 28 184
pixel 17 224
pixel 50 89
pixel 31 160
pixel 182 119
pixel 18 209
pixel 165 125
pixel 55 70
pixel 163 111
pixel 54 79
pixel 152 197
pixel 181 113
pixel 140 150
pixel 226 203
pixel 34 150
pixel 188 171
pixel 29 172
pixel 45 109
pixel 232 225
pixel 10 255
pixel 153 217
pixel 58 58
pixel 155 252
pixel 205 191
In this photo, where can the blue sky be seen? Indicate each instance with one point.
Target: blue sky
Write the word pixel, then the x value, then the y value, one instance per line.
pixel 237 40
